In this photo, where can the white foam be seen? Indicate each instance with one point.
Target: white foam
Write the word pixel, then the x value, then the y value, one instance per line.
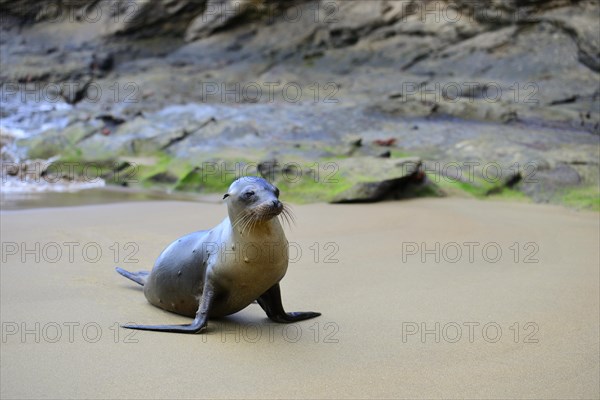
pixel 10 184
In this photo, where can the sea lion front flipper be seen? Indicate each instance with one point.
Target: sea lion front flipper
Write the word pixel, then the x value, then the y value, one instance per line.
pixel 270 301
pixel 197 325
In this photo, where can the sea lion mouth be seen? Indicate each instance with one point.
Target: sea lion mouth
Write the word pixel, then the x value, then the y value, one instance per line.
pixel 267 210
pixel 263 213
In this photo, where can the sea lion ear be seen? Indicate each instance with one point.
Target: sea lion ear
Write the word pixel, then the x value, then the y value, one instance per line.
pixel 226 195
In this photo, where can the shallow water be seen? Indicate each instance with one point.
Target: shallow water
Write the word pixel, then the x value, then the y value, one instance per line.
pixel 10 201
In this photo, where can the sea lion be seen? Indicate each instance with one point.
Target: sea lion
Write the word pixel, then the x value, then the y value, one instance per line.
pixel 217 272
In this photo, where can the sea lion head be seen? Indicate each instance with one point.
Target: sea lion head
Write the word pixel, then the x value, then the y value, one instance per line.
pixel 252 200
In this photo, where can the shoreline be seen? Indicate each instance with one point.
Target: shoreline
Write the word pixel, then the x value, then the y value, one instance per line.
pixel 110 194
pixel 113 194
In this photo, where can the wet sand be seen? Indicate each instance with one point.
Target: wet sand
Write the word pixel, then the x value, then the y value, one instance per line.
pixel 396 323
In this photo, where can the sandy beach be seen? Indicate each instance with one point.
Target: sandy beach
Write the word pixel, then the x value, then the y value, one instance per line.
pixel 431 298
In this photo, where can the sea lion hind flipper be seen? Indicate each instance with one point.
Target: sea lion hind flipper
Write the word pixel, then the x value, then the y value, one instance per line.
pixel 270 301
pixel 139 277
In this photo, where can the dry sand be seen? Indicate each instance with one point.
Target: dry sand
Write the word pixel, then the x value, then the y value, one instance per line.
pixel 58 318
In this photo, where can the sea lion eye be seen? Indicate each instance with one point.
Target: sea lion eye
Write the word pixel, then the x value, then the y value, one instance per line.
pixel 277 192
pixel 248 195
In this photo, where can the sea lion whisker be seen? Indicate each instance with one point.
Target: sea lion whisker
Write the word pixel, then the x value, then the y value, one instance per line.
pixel 289 215
pixel 239 220
pixel 250 224
pixel 245 223
pixel 242 222
pixel 289 212
pixel 292 216
pixel 255 222
pixel 284 217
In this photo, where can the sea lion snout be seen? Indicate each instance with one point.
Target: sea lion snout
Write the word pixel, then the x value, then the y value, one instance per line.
pixel 268 209
pixel 277 206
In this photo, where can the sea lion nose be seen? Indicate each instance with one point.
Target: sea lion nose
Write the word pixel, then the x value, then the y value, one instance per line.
pixel 276 204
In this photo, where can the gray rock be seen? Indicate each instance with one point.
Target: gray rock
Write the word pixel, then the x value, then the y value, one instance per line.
pixel 550 182
pixel 376 179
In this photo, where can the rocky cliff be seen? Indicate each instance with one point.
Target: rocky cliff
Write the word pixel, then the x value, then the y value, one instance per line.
pixel 468 87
